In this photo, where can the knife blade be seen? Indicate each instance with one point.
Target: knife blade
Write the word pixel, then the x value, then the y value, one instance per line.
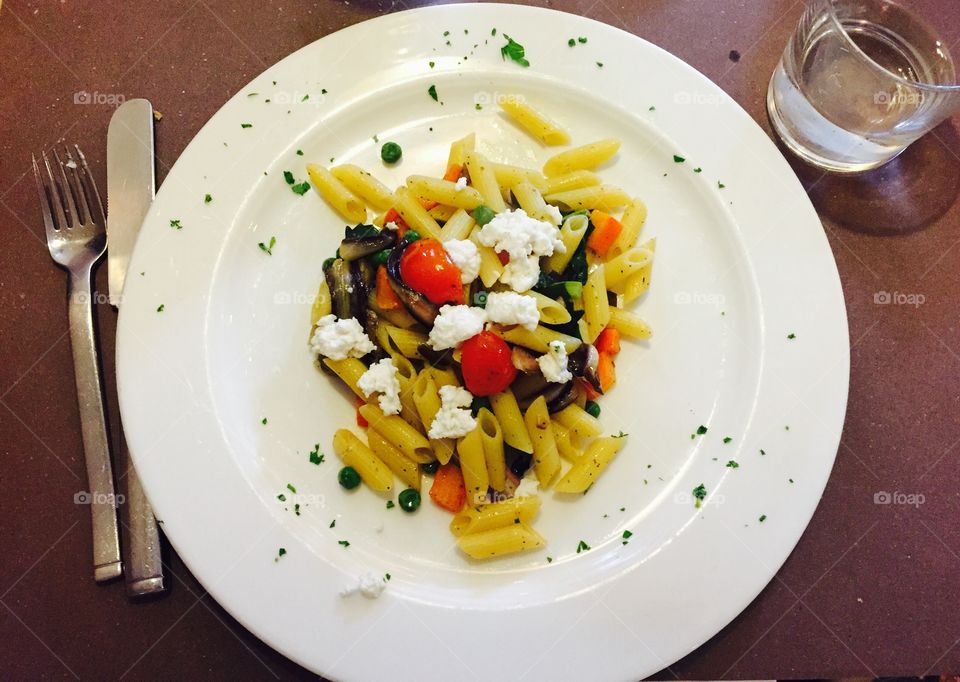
pixel 130 191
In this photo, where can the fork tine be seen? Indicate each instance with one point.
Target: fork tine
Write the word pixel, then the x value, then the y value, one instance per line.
pixel 96 206
pixel 55 199
pixel 82 202
pixel 44 202
pixel 73 217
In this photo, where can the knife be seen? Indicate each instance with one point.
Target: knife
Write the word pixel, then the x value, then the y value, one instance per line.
pixel 130 191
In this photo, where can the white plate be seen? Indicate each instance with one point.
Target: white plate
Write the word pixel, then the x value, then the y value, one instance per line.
pixel 738 269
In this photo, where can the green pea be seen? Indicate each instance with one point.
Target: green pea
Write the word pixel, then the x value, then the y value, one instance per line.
pixel 380 257
pixel 349 478
pixel 390 152
pixel 592 408
pixel 430 467
pixel 411 235
pixel 483 214
pixel 409 500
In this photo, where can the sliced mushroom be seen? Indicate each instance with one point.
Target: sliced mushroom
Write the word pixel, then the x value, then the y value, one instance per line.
pixel 353 249
pixel 565 396
pixel 340 283
pixel 418 305
pixel 362 275
pixel 524 360
pixel 438 358
pixel 583 363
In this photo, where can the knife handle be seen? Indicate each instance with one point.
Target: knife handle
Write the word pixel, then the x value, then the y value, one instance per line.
pixel 144 565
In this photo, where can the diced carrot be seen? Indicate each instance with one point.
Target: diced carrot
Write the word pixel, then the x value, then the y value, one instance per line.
pixel 453 172
pixel 448 490
pixel 392 216
pixel 588 390
pixel 427 203
pixel 361 422
pixel 606 372
pixel 504 257
pixel 606 229
pixel 387 298
pixel 608 341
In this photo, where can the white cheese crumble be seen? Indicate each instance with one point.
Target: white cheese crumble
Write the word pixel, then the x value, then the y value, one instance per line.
pixel 382 378
pixel 369 585
pixel 525 239
pixel 391 226
pixel 465 256
pixel 529 485
pixel 340 339
pixel 461 183
pixel 453 419
pixel 554 363
pixel 554 214
pixel 455 324
pixel 508 307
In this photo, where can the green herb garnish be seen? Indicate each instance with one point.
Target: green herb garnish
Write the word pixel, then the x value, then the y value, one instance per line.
pixel 571 42
pixel 514 51
pixel 390 504
pixel 300 188
pixel 432 91
pixel 160 308
pixel 763 517
pixel 727 439
pixel 315 456
pixel 701 430
pixel 791 336
pixel 699 494
pixel 678 159
pixel 582 547
pixel 732 465
pixel 343 543
pixel 175 224
pixel 207 198
pixel 268 248
pixel 246 125
pixel 288 176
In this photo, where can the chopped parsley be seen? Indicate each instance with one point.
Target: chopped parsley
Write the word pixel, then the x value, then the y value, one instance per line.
pixel 299 152
pixel 571 42
pixel 282 497
pixel 698 169
pixel 762 451
pixel 582 39
pixel 296 509
pixel 549 559
pixel 478 106
pixel 763 517
pixel 431 64
pixel 281 552
pixel 720 185
pixel 316 457
pixel 432 91
pixel 305 98
pixel 207 198
pixel 678 159
pixel 701 430
pixel 288 177
pixel 264 421
pixel 332 523
pixel 623 509
pixel 386 576
pixel 514 51
pixel 699 494
pixel 160 308
pixel 246 125
pixel 626 536
pixel 268 248
pixel 300 188
pixel 727 439
pixel 175 224
pixel 652 108
pixel 493 31
pixel 600 65
pixel 790 336
pixel 732 465
pixel 790 479
pixel 621 435
pixel 582 547
pixel 343 543
pixel 446 33
pixel 390 504
pixel 291 488
pixel 252 94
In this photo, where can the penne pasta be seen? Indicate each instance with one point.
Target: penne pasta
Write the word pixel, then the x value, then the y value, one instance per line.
pixel 587 157
pixel 484 181
pixel 538 340
pixel 551 311
pixel 508 176
pixel 398 433
pixel 377 195
pixel 504 406
pixel 406 341
pixel 546 458
pixel 426 398
pixel 476 519
pixel 532 202
pixel 458 226
pixel 444 192
pixel 473 465
pixel 491 436
pixel 629 324
pixel 442 213
pixel 460 148
pixel 405 469
pixel 618 270
pixel 569 181
pixel 584 472
pixel 490 265
pixel 355 453
pixel 488 544
pixel 414 214
pixel 342 200
pixel 639 282
pixel 564 440
pixel 322 305
pixel 578 421
pixel 349 370
pixel 632 221
pixel 571 233
pixel 538 124
pixel 604 197
pixel 596 308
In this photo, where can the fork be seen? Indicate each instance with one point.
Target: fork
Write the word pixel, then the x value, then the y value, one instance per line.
pixel 76 236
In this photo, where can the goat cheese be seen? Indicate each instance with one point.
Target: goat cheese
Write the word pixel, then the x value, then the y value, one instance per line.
pixel 369 585
pixel 455 324
pixel 553 365
pixel 453 419
pixel 511 308
pixel 525 239
pixel 382 378
pixel 554 214
pixel 529 485
pixel 466 256
pixel 391 226
pixel 461 183
pixel 340 339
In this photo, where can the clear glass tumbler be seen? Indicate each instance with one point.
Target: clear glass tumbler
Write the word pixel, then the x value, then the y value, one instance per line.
pixel 858 82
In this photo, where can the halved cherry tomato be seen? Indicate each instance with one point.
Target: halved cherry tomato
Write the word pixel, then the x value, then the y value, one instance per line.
pixel 426 267
pixel 486 364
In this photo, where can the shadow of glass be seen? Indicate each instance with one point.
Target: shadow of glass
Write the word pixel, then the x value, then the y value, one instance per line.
pixel 906 195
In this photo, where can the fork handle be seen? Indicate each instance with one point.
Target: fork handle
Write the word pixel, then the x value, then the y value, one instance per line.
pixel 96 449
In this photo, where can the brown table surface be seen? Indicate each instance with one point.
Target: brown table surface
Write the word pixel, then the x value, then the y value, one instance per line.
pixel 871 589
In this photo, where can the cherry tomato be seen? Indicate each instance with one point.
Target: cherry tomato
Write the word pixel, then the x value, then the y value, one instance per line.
pixel 426 267
pixel 486 364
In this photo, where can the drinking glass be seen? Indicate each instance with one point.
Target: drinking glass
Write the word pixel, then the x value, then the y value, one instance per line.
pixel 858 82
